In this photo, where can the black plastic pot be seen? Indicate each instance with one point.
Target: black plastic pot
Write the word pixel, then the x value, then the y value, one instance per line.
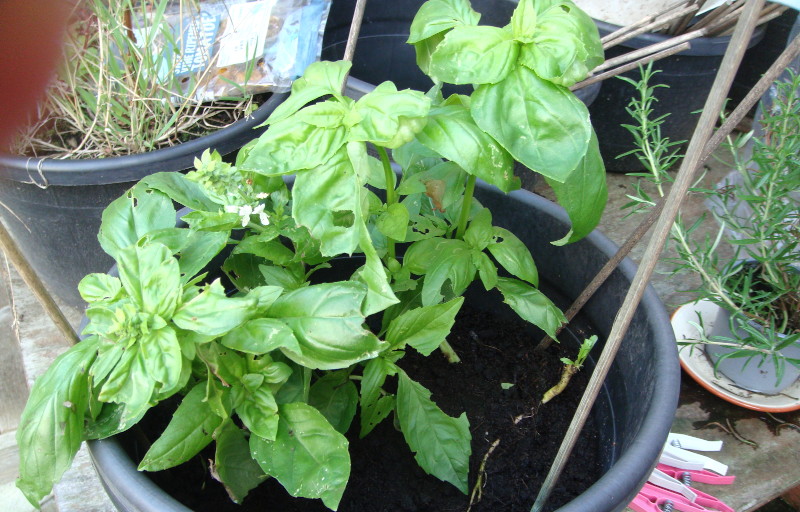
pixel 636 406
pixel 53 207
pixel 689 76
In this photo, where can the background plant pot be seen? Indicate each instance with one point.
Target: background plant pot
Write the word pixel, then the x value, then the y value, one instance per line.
pixel 754 374
pixel 640 396
pixel 689 76
pixel 53 207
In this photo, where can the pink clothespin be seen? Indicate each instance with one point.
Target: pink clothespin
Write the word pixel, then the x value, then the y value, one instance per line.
pixel 687 476
pixel 655 499
pixel 702 501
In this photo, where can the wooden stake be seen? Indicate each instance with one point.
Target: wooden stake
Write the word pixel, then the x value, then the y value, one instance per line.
pixel 644 21
pixel 632 65
pixel 686 11
pixel 683 181
pixel 681 25
pixel 9 246
pixel 352 36
pixel 649 50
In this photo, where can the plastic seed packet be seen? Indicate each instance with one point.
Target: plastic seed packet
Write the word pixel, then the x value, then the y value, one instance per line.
pixel 216 49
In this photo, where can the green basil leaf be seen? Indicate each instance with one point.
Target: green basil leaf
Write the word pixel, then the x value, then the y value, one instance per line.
pixel 452 133
pixel 326 114
pixel 389 118
pixel 265 247
pixel 174 239
pixel 487 271
pixel 424 50
pixel 319 79
pixel 212 221
pixel 523 20
pixel 285 278
pixel 259 413
pixel 531 305
pixel 583 194
pixel 260 336
pixel 424 328
pixel 293 145
pixel 379 411
pixel 564 45
pixel 480 232
pixel 181 190
pixel 474 55
pixel 446 264
pixel 513 255
pixel 200 249
pixel 336 397
pixel 542 125
pixel 374 407
pixel 189 431
pixel 162 357
pixel 51 428
pixel 152 278
pixel 308 457
pixel 99 288
pixel 226 365
pixel 112 419
pixel 129 383
pixel 326 200
pixel 138 212
pixel 327 321
pixel 233 465
pixel 394 222
pixel 436 16
pixel 264 296
pixel 443 184
pixel 212 312
pixel 379 292
pixel 441 444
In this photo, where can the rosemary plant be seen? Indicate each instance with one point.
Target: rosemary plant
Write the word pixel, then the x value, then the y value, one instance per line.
pixel 757 209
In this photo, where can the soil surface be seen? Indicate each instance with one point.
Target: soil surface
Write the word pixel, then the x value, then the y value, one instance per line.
pixel 385 477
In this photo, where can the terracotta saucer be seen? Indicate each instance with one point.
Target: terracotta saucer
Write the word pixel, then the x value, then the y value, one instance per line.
pixel 695 362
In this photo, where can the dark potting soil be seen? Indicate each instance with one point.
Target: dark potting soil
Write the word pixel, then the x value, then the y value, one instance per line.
pixel 495 352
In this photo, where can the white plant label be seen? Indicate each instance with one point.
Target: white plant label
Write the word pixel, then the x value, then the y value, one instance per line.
pixel 245 32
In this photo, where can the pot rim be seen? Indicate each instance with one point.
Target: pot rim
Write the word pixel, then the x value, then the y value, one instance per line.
pixel 45 171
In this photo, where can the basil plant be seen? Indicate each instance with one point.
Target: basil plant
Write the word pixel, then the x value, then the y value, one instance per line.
pixel 225 310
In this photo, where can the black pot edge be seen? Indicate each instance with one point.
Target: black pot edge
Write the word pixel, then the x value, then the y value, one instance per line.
pixel 701 46
pixel 614 487
pixel 128 168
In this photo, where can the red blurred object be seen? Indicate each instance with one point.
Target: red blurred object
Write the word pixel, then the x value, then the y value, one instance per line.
pixel 31 32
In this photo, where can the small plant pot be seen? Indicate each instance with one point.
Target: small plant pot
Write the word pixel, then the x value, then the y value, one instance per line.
pixel 53 207
pixel 636 406
pixel 754 372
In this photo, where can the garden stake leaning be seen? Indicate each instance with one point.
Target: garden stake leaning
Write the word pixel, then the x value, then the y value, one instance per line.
pixel 10 248
pixel 714 103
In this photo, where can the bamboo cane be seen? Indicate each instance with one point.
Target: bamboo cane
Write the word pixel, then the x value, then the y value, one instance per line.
pixel 686 11
pixel 632 65
pixel 17 258
pixel 644 21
